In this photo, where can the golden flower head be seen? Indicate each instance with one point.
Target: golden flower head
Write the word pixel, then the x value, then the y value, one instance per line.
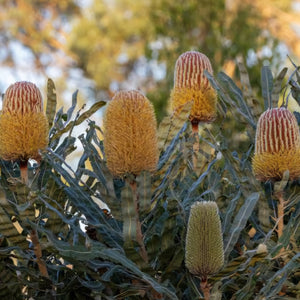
pixel 130 140
pixel 23 125
pixel 204 253
pixel 190 83
pixel 277 145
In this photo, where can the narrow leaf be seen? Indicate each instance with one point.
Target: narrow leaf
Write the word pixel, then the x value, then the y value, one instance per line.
pixel 267 86
pixel 51 102
pixel 277 86
pixel 144 192
pixel 129 217
pixel 239 222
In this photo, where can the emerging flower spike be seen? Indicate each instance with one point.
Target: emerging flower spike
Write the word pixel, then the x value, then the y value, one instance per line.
pixel 130 140
pixel 22 97
pixel 190 83
pixel 204 254
pixel 23 125
pixel 277 146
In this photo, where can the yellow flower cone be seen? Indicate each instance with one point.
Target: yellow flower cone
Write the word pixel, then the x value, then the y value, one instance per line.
pixel 204 254
pixel 277 146
pixel 190 83
pixel 23 125
pixel 130 140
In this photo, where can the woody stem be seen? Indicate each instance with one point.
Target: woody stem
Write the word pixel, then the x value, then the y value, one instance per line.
pixel 139 234
pixel 38 253
pixel 196 145
pixel 205 288
pixel 280 213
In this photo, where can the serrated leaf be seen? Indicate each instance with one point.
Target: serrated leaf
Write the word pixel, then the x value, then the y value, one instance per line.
pixel 277 87
pixel 51 102
pixel 239 222
pixel 129 216
pixel 170 125
pixel 144 191
pixel 80 119
pixel 71 109
pixel 253 104
pixel 275 283
pixel 234 97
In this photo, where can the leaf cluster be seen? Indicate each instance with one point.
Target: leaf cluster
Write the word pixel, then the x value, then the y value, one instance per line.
pixel 86 219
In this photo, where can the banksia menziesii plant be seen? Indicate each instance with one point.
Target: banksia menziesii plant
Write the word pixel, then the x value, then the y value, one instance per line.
pixel 23 125
pixel 190 83
pixel 277 146
pixel 130 140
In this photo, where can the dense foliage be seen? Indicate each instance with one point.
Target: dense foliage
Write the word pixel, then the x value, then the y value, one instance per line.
pixel 92 253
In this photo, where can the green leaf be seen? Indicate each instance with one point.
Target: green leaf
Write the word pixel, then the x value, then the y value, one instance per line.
pixel 80 119
pixel 144 192
pixel 277 86
pixel 232 95
pixel 267 86
pixel 275 283
pixel 170 125
pixel 51 102
pixel 129 216
pixel 252 103
pixel 239 223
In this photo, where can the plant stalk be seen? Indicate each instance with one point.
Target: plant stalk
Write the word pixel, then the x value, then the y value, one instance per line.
pixel 205 288
pixel 196 145
pixel 280 214
pixel 38 253
pixel 139 234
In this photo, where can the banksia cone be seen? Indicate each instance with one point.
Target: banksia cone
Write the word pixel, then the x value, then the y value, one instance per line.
pixel 204 254
pixel 277 146
pixel 23 126
pixel 190 83
pixel 130 140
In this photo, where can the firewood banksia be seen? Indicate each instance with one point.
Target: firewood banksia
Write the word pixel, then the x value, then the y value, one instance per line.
pixel 277 146
pixel 190 83
pixel 130 140
pixel 23 125
pixel 204 254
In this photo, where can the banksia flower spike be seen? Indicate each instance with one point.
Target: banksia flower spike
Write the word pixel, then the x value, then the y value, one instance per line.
pixel 23 125
pixel 277 146
pixel 204 254
pixel 130 140
pixel 190 83
pixel 277 149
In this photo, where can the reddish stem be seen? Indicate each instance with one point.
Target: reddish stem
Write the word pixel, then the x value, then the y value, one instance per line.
pixel 205 287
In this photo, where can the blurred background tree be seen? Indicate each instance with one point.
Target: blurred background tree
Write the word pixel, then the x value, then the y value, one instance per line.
pixel 127 43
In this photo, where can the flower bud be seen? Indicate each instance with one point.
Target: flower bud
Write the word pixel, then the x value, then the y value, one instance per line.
pixel 277 145
pixel 23 125
pixel 204 254
pixel 190 83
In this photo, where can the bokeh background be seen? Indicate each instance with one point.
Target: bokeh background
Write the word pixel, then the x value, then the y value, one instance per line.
pixel 100 46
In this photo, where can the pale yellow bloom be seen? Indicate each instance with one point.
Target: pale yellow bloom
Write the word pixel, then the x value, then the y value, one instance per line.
pixel 204 253
pixel 130 140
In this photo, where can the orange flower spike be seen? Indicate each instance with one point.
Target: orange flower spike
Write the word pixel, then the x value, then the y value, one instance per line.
pixel 190 83
pixel 277 145
pixel 23 125
pixel 130 139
